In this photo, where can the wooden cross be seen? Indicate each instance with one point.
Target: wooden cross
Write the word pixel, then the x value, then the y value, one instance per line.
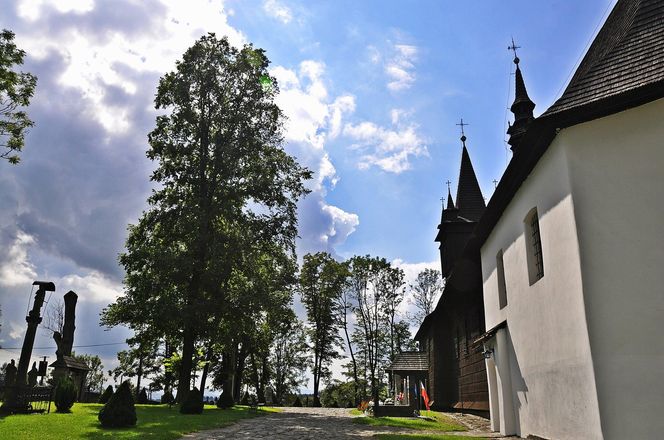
pixel 513 47
pixel 462 124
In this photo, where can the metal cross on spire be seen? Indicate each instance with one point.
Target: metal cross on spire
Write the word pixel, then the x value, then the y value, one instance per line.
pixel 448 185
pixel 513 47
pixel 495 183
pixel 462 124
pixel 442 199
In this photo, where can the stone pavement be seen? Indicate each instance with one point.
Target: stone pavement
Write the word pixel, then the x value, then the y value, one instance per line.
pixel 320 424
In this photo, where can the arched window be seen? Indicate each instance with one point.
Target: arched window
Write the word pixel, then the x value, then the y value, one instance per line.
pixel 533 247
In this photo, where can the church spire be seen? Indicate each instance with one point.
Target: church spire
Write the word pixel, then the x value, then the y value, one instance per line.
pixel 522 106
pixel 450 201
pixel 469 200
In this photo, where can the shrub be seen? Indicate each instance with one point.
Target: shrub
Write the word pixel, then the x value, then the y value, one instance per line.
pixel 245 399
pixel 193 403
pixel 298 402
pixel 120 410
pixel 225 400
pixel 334 404
pixel 65 395
pixel 143 396
pixel 108 392
pixel 167 397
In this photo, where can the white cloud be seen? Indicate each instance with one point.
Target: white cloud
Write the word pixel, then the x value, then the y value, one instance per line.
pixel 96 61
pixel 400 68
pixel 16 269
pixel 313 118
pixel 387 148
pixel 93 287
pixel 277 10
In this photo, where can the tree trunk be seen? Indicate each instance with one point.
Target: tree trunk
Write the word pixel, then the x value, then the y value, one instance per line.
pixel 186 364
pixel 206 368
pixel 140 374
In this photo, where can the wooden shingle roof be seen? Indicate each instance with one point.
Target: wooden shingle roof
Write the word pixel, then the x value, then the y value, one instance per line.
pixel 627 53
pixel 410 361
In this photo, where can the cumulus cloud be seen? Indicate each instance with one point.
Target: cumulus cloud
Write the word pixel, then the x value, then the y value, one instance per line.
pixel 400 68
pixel 16 269
pixel 314 118
pixel 389 149
pixel 278 10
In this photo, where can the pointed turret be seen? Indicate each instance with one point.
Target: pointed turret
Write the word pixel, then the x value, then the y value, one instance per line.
pixel 458 220
pixel 522 108
pixel 450 201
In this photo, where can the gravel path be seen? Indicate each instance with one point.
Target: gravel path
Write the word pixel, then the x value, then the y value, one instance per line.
pixel 307 423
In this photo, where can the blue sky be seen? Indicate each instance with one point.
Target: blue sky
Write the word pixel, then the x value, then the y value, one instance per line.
pixel 372 89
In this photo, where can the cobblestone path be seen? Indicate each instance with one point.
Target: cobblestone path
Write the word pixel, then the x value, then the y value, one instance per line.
pixel 306 423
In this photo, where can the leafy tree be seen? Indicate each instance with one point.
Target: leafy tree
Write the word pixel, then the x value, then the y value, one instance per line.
pixel 95 376
pixel 16 89
pixel 224 182
pixel 425 291
pixel 289 357
pixel 367 282
pixel 392 285
pixel 322 280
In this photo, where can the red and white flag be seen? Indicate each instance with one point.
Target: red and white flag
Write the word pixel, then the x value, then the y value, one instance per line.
pixel 425 396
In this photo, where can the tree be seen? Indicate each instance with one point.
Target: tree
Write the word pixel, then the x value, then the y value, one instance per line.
pixel 225 183
pixel 345 306
pixel 367 282
pixel 16 89
pixel 289 357
pixel 425 290
pixel 391 283
pixel 95 376
pixel 322 280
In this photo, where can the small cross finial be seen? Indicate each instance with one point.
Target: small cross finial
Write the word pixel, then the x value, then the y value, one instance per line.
pixel 513 47
pixel 448 185
pixel 495 183
pixel 463 134
pixel 442 199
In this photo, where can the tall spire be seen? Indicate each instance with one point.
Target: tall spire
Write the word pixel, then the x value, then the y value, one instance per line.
pixel 522 107
pixel 450 201
pixel 469 200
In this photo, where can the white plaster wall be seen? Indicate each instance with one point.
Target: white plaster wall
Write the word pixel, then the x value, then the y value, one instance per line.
pixel 617 176
pixel 550 361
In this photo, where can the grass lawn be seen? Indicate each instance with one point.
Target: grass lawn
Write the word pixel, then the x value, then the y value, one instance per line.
pixel 423 437
pixel 356 412
pixel 441 423
pixel 154 422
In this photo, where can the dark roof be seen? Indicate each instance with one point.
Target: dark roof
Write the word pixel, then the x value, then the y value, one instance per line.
pixel 469 200
pixel 72 363
pixel 627 53
pixel 410 361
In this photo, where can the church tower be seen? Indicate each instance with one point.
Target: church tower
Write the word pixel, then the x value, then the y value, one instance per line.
pixel 459 219
pixel 522 107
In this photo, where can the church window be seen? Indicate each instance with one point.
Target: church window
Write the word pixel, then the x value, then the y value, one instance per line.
pixel 502 287
pixel 534 247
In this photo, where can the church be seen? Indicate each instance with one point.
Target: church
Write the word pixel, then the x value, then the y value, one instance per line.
pixel 571 251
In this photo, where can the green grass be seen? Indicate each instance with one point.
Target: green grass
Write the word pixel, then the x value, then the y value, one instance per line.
pixel 154 422
pixel 423 437
pixel 441 422
pixel 356 412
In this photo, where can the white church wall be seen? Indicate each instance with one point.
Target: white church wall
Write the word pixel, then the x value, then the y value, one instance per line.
pixel 617 176
pixel 550 364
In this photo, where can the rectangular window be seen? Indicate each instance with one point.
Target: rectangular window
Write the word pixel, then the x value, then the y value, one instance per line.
pixel 534 247
pixel 502 287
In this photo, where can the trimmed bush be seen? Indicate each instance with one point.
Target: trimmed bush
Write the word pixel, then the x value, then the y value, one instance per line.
pixel 226 401
pixel 167 397
pixel 334 404
pixel 120 410
pixel 193 403
pixel 298 402
pixel 65 395
pixel 143 396
pixel 106 395
pixel 245 399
